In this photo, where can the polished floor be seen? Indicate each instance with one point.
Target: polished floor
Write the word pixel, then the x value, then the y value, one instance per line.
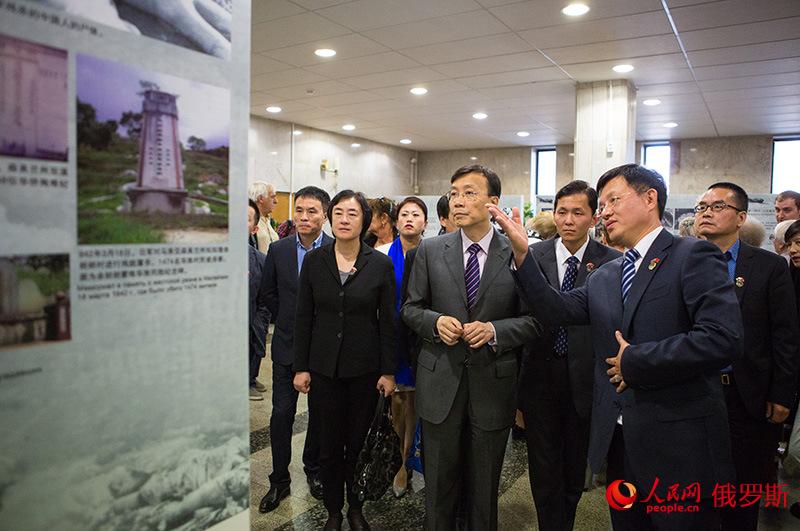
pixel 301 512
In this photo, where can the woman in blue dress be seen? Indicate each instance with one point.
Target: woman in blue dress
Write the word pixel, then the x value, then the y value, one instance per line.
pixel 412 219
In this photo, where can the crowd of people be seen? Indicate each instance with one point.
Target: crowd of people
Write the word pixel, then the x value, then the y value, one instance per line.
pixel 664 361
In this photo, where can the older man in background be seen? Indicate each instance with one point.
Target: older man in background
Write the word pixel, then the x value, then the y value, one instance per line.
pixel 263 195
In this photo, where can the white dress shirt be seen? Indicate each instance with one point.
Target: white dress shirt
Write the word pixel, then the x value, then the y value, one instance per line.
pixel 563 254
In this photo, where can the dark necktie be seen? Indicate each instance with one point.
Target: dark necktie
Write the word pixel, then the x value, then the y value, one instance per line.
pixel 560 346
pixel 472 274
pixel 628 272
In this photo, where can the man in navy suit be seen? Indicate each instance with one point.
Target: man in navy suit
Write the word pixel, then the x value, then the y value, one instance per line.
pixel 665 321
pixel 759 388
pixel 555 390
pixel 281 271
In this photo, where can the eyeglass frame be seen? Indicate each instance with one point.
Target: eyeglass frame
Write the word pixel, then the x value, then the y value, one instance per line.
pixel 716 207
pixel 613 202
pixel 470 195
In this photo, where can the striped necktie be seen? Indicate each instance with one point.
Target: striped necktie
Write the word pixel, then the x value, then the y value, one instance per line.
pixel 628 272
pixel 560 344
pixel 472 274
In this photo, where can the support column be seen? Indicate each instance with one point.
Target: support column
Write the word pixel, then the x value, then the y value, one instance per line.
pixel 605 128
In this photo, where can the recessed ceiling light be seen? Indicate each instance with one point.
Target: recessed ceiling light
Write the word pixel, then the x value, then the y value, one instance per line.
pixel 405 141
pixel 523 134
pixel 480 115
pixel 473 158
pixel 324 52
pixel 355 145
pixel 651 102
pixel 273 152
pixel 622 69
pixel 348 127
pixel 670 125
pixel 575 10
pixel 297 132
pixel 418 91
pixel 274 109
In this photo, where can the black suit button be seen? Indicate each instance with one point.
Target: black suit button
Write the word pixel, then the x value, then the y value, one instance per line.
pixel 341 293
pixel 341 314
pixel 339 335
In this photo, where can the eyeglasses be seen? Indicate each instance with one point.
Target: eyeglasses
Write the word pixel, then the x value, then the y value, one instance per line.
pixel 612 202
pixel 719 206
pixel 469 195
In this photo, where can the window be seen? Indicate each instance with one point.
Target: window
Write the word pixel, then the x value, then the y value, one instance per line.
pixel 545 171
pixel 656 157
pixel 785 165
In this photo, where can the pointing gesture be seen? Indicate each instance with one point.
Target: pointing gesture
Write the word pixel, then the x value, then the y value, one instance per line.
pixel 514 230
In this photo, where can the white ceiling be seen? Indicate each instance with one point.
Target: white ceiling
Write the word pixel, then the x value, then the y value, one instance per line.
pixel 720 68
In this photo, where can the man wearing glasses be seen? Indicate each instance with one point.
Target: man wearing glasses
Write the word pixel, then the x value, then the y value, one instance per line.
pixel 463 303
pixel 759 388
pixel 665 321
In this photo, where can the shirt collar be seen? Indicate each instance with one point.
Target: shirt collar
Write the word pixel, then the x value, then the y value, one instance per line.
pixel 645 243
pixel 314 244
pixel 562 253
pixel 484 242
pixel 734 250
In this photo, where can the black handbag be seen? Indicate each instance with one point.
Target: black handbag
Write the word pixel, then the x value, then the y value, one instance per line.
pixel 380 457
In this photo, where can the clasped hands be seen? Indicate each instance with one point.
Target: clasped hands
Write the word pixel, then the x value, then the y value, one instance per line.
pixel 476 333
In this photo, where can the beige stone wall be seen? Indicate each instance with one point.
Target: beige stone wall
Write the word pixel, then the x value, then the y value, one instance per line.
pixel 513 165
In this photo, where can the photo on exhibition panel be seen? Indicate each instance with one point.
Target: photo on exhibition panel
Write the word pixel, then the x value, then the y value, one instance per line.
pixel 152 156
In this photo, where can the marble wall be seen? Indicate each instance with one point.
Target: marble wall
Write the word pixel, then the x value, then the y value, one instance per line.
pixel 697 163
pixel 513 165
pixel 373 168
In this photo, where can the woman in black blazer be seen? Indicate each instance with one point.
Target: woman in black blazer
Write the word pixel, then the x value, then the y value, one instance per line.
pixel 344 347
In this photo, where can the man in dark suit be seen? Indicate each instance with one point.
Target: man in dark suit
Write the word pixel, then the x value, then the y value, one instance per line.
pixel 282 270
pixel 258 312
pixel 463 304
pixel 665 321
pixel 759 388
pixel 555 392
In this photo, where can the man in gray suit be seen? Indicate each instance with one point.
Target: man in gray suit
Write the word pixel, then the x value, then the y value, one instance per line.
pixel 462 302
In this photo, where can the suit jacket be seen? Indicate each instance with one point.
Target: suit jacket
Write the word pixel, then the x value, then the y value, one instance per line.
pixel 768 369
pixel 683 323
pixel 580 360
pixel 279 294
pixel 266 235
pixel 436 287
pixel 258 312
pixel 345 330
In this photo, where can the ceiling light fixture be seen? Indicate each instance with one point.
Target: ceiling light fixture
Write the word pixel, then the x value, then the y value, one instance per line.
pixel 355 145
pixel 405 141
pixel 324 52
pixel 670 125
pixel 622 69
pixel 480 115
pixel 274 109
pixel 651 102
pixel 297 132
pixel 473 158
pixel 418 91
pixel 575 10
pixel 523 134
pixel 348 127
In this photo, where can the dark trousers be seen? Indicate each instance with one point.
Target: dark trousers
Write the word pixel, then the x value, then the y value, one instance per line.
pixel 636 518
pixel 558 443
pixel 284 407
pixel 254 359
pixel 451 447
pixel 753 445
pixel 344 407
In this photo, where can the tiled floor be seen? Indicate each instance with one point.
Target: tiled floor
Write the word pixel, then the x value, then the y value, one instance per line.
pixel 302 512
